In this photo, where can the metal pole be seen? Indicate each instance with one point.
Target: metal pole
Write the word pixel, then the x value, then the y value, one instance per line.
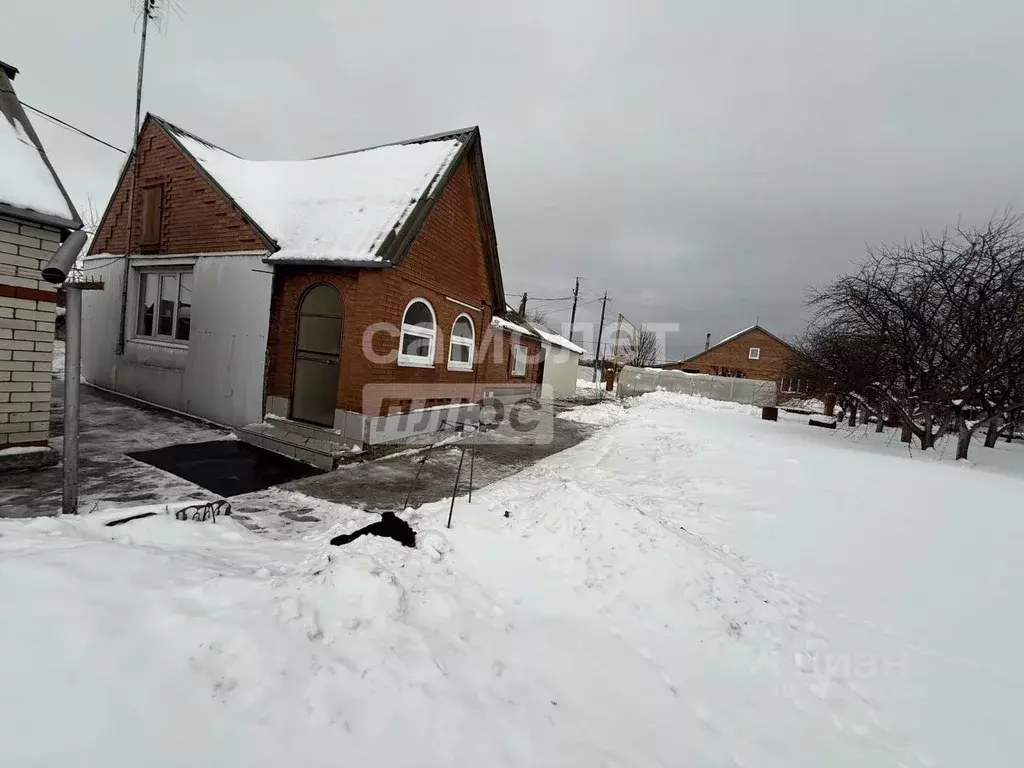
pixel 148 7
pixel 72 366
pixel 575 297
pixel 458 473
pixel 472 459
pixel 600 328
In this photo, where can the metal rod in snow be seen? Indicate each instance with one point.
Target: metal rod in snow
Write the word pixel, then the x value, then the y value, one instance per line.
pixel 458 473
pixel 72 367
pixel 472 458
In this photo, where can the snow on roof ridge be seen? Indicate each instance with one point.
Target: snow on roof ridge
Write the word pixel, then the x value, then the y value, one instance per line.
pixel 735 335
pixel 334 209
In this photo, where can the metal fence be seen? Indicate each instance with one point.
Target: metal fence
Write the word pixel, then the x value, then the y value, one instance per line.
pixel 637 381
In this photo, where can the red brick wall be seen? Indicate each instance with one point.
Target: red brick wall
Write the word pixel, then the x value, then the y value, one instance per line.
pixel 734 355
pixel 196 217
pixel 447 261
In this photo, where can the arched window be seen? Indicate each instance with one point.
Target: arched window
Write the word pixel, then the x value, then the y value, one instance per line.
pixel 460 348
pixel 419 332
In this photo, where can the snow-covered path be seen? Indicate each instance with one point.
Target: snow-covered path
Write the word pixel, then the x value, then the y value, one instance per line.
pixel 691 586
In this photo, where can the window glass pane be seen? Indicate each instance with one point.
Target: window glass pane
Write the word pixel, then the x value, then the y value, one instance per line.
pixel 147 303
pixel 460 353
pixel 419 314
pixel 184 322
pixel 322 300
pixel 519 361
pixel 168 298
pixel 320 334
pixel 463 328
pixel 417 346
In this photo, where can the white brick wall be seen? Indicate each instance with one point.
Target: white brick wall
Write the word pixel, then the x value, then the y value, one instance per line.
pixel 26 333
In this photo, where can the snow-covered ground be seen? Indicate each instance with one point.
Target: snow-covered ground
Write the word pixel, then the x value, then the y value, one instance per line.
pixel 58 359
pixel 690 586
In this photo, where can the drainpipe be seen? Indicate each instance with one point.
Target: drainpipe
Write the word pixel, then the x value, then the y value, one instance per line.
pixel 56 271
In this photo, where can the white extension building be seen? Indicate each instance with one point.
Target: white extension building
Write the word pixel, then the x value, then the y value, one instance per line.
pixel 560 360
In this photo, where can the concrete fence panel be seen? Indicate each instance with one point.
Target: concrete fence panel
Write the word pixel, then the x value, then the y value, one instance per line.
pixel 637 381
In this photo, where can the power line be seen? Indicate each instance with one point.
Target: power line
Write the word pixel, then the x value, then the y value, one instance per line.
pixel 67 125
pixel 538 298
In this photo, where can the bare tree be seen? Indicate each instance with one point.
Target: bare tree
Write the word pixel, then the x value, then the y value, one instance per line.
pixel 931 330
pixel 536 316
pixel 642 348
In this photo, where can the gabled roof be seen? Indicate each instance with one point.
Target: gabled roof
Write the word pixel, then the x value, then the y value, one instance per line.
pixel 361 208
pixel 342 209
pixel 727 339
pixel 29 187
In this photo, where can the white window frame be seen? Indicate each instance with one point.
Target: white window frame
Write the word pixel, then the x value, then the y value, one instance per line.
pixel 176 268
pixel 517 359
pixel 462 341
pixel 793 386
pixel 754 353
pixel 417 361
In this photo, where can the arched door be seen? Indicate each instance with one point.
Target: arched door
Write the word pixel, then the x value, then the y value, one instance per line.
pixel 317 351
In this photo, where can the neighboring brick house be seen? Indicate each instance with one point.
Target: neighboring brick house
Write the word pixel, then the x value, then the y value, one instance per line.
pixel 752 353
pixel 333 294
pixel 35 216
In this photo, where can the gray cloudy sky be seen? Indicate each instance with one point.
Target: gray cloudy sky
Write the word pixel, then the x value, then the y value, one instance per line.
pixel 703 162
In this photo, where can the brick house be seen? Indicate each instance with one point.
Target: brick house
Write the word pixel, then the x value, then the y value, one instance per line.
pixel 752 353
pixel 36 215
pixel 315 304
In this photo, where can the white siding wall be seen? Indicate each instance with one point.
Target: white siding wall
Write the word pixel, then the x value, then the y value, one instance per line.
pixel 219 374
pixel 560 367
pixel 26 333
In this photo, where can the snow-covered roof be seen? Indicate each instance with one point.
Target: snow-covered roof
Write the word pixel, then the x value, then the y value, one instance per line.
pixel 338 209
pixel 556 339
pixel 735 335
pixel 27 181
pixel 508 325
pixel 754 327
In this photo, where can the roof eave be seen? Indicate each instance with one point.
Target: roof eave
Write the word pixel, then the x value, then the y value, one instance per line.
pixel 314 262
pixel 35 217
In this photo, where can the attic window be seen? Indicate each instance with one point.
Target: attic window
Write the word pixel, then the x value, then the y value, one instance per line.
pixel 755 353
pixel 152 214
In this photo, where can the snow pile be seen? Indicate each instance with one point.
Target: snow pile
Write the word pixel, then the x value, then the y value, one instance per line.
pixel 587 388
pixel 334 209
pixel 687 587
pixel 600 414
pixel 25 180
pixel 664 399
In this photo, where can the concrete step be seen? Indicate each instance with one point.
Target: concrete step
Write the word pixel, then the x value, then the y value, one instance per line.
pixel 321 448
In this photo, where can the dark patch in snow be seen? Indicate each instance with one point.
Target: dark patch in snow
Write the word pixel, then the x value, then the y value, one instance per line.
pixel 390 526
pixel 226 467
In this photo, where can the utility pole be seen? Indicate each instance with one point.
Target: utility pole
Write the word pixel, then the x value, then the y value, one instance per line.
pixel 522 307
pixel 600 328
pixel 575 297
